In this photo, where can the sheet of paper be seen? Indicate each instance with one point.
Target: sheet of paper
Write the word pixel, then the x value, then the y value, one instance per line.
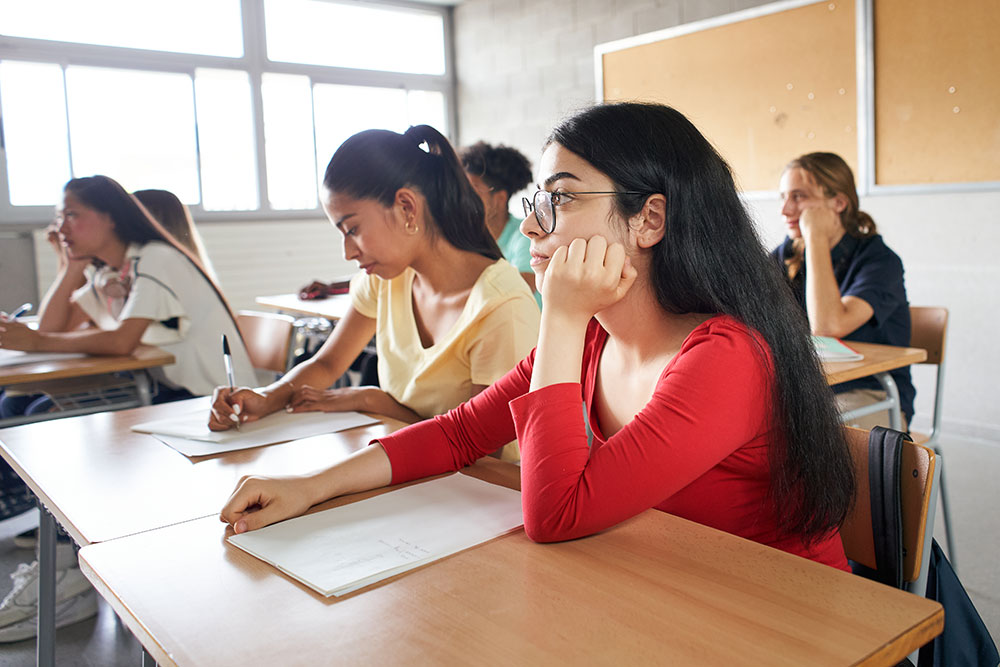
pixel 189 433
pixel 16 357
pixel 832 349
pixel 346 548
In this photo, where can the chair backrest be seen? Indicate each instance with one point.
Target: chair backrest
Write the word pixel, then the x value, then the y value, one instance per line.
pixel 928 329
pixel 268 337
pixel 919 474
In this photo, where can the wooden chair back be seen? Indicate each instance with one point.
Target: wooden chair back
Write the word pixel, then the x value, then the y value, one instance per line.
pixel 268 337
pixel 928 329
pixel 916 492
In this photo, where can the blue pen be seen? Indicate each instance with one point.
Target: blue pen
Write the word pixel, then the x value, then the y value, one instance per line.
pixel 21 310
pixel 227 359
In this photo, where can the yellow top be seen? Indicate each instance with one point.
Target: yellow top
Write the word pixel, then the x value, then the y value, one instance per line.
pixel 497 328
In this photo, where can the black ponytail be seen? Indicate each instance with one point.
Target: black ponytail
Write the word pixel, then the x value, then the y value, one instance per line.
pixel 375 164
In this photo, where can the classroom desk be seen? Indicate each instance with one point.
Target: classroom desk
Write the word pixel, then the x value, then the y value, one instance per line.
pixel 332 307
pixel 655 589
pixel 36 376
pixel 101 481
pixel 878 361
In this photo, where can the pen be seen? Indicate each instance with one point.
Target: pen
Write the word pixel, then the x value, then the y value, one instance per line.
pixel 227 359
pixel 21 310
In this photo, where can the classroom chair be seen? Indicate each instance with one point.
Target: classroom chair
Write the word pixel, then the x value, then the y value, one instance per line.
pixel 268 337
pixel 918 479
pixel 928 330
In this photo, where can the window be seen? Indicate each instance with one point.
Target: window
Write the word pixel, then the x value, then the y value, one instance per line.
pixel 190 97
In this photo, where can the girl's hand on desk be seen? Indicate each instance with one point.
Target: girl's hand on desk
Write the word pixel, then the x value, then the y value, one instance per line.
pixel 341 399
pixel 261 501
pixel 242 403
pixel 17 336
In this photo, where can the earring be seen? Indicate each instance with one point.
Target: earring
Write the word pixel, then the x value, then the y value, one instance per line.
pixel 410 226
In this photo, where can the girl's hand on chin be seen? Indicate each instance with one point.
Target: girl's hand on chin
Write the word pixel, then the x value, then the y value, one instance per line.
pixel 586 277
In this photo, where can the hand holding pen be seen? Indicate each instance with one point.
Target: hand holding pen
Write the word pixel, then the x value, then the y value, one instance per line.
pixel 20 310
pixel 227 359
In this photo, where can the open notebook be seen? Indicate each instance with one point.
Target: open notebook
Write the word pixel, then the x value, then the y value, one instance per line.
pixel 189 433
pixel 834 349
pixel 340 550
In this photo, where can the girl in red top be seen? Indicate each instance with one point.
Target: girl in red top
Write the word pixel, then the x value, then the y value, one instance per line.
pixel 673 368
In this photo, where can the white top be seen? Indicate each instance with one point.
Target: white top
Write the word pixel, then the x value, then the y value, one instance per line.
pixel 188 317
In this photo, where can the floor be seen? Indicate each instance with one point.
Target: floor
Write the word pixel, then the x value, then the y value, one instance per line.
pixel 972 470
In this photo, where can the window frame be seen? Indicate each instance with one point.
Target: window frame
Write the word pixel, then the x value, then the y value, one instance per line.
pixel 255 63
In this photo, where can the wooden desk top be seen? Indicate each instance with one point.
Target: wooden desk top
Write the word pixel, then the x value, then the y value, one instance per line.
pixel 102 481
pixel 655 589
pixel 145 356
pixel 332 307
pixel 878 358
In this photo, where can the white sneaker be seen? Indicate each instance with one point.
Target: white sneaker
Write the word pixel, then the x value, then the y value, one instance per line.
pixel 68 612
pixel 22 601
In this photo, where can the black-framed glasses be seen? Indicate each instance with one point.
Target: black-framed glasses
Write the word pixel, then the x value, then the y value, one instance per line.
pixel 544 204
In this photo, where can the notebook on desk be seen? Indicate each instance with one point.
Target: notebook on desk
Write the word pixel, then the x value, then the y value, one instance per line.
pixel 340 550
pixel 189 433
pixel 834 349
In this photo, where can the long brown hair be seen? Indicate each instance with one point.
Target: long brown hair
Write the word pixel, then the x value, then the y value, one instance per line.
pixel 133 223
pixel 834 177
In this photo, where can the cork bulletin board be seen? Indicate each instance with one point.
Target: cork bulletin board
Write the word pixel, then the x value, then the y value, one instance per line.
pixel 763 89
pixel 937 91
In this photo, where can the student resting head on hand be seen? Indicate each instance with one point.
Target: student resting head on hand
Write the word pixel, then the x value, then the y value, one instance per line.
pixel 448 314
pixel 666 320
pixel 843 274
pixel 123 280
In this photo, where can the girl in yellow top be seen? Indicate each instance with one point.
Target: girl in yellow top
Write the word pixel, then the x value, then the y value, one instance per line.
pixel 449 315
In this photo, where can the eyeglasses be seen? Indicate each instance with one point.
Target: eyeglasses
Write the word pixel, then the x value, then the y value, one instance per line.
pixel 544 204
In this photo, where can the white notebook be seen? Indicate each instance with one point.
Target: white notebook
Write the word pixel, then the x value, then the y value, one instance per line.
pixel 340 550
pixel 189 433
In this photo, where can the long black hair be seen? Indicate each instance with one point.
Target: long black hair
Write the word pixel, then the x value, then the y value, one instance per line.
pixel 711 260
pixel 132 222
pixel 375 164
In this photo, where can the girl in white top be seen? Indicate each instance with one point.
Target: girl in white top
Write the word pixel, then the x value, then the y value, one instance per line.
pixel 449 315
pixel 124 281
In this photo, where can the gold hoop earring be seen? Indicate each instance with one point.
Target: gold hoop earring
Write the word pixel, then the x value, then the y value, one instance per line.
pixel 411 227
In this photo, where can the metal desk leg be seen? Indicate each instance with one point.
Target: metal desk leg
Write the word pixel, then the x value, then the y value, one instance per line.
pixel 46 646
pixel 892 394
pixel 142 387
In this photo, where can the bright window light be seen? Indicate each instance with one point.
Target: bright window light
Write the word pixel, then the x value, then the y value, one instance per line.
pixel 136 127
pixel 226 140
pixel 341 111
pixel 288 141
pixel 34 127
pixel 212 28
pixel 317 32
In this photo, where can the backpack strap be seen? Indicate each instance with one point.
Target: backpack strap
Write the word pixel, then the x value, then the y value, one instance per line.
pixel 884 456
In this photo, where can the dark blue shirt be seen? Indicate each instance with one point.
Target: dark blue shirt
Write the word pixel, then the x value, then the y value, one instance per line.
pixel 869 270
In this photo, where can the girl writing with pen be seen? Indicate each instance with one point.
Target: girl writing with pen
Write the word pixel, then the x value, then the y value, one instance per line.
pixel 448 314
pixel 673 370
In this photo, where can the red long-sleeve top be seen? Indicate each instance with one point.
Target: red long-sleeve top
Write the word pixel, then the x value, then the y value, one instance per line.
pixel 698 449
